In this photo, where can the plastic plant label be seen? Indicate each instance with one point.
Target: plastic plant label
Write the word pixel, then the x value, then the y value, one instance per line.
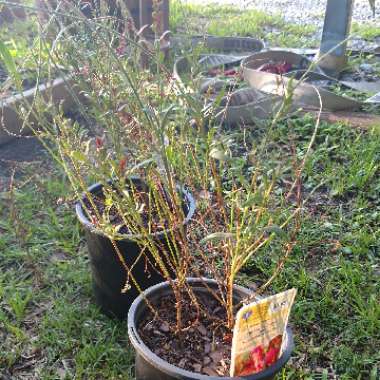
pixel 258 334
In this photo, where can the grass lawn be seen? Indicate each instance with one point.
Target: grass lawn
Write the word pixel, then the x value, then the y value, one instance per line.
pixel 225 20
pixel 367 31
pixel 50 328
pixel 229 21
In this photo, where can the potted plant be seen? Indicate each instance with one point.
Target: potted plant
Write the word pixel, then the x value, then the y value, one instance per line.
pixel 149 364
pixel 238 218
pixel 141 139
pixel 110 257
pixel 183 328
pixel 136 212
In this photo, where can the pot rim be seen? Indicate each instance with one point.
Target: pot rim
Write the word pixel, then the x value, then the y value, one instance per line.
pixel 246 63
pixel 170 369
pixel 98 186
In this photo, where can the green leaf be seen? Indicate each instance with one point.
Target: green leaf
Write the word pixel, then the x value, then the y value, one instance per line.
pixel 78 156
pixel 9 63
pixel 374 373
pixel 274 229
pixel 143 164
pixel 108 202
pixel 217 236
pixel 166 114
pixel 217 154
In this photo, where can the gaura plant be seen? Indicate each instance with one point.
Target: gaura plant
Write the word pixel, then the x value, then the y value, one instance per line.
pixel 141 122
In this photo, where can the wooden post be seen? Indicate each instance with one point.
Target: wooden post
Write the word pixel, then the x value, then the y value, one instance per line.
pixel 335 32
pixel 134 9
pixel 146 10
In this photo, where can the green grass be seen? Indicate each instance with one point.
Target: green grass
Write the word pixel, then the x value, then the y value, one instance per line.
pixel 335 265
pixel 226 20
pixel 48 321
pixel 367 31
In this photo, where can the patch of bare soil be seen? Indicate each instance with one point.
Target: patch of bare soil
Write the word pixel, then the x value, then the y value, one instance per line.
pixel 204 345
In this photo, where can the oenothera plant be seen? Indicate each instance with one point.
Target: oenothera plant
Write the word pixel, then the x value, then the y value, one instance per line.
pixel 135 121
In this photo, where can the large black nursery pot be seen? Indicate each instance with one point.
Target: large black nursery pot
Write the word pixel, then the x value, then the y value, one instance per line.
pixel 149 366
pixel 107 272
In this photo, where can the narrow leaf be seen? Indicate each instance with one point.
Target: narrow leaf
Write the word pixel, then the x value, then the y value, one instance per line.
pixel 217 236
pixel 143 164
pixel 78 156
pixel 9 63
pixel 217 154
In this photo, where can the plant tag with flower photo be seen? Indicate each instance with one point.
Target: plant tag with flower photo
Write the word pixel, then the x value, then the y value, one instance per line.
pixel 258 334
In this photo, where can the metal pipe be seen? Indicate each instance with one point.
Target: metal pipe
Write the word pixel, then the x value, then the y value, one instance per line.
pixel 336 28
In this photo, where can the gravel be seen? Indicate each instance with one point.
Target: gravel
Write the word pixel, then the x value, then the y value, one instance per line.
pixel 301 11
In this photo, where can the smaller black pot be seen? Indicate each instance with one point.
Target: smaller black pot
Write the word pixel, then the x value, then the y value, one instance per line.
pixel 107 272
pixel 149 366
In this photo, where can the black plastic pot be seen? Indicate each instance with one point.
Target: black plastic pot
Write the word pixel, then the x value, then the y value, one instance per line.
pixel 107 272
pixel 149 366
